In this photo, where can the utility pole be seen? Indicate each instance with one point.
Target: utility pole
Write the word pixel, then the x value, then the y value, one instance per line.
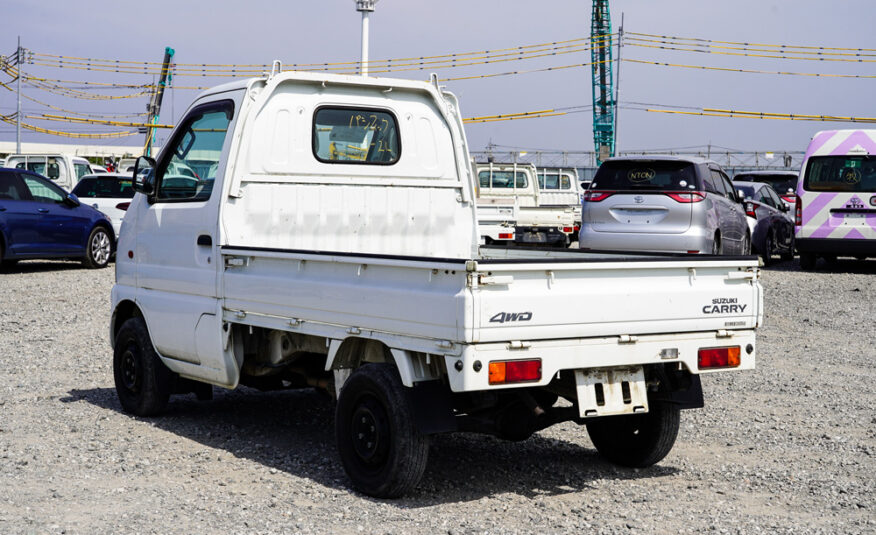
pixel 19 55
pixel 154 107
pixel 620 39
pixel 366 7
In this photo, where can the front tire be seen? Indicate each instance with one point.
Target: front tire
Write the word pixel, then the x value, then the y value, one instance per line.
pixel 382 452
pixel 637 440
pixel 98 248
pixel 143 382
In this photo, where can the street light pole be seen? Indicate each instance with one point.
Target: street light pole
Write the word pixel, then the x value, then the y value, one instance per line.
pixel 366 7
pixel 18 114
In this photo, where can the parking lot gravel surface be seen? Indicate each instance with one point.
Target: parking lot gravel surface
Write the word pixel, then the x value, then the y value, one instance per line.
pixel 787 448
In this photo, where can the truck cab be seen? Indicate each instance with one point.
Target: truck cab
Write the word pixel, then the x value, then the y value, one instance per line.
pixel 65 170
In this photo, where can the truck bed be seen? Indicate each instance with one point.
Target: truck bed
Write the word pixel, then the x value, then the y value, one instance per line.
pixel 503 295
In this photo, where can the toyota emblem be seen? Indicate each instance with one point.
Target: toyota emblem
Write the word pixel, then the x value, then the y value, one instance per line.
pixel 639 199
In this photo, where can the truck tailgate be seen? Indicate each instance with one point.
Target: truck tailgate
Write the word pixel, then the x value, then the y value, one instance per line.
pixel 567 297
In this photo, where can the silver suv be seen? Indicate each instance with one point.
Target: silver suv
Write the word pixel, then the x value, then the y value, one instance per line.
pixel 663 204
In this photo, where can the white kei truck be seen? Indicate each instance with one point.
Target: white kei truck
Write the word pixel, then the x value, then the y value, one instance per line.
pixel 538 222
pixel 334 244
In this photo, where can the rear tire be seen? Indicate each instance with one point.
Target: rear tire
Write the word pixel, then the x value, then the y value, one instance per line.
pixel 768 245
pixel 637 440
pixel 98 248
pixel 807 261
pixel 717 247
pixel 382 452
pixel 143 382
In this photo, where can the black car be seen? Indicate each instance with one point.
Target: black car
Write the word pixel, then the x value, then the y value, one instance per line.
pixel 783 182
pixel 774 231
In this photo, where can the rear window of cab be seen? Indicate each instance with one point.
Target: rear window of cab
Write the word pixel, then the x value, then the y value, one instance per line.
pixel 635 175
pixel 355 135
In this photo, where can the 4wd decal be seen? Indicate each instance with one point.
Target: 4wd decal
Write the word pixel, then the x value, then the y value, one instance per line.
pixel 503 317
pixel 724 305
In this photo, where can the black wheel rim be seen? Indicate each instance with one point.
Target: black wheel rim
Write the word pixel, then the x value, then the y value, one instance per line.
pixel 370 433
pixel 131 370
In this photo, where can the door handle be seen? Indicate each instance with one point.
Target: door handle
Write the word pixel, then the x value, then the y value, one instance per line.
pixel 43 210
pixel 205 239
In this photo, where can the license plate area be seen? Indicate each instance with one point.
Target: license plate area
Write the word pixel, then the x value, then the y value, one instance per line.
pixel 604 392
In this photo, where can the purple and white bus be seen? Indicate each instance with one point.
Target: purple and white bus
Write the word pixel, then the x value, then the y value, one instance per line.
pixel 836 197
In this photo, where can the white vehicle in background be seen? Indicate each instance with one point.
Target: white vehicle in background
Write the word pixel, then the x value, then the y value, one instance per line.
pixel 559 186
pixel 96 169
pixel 65 170
pixel 536 224
pixel 111 193
pixel 346 258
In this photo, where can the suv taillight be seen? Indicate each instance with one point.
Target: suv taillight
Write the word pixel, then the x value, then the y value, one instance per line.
pixel 123 205
pixel 750 210
pixel 798 212
pixel 789 198
pixel 596 196
pixel 686 196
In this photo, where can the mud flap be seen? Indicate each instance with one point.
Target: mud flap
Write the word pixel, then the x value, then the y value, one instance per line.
pixel 432 407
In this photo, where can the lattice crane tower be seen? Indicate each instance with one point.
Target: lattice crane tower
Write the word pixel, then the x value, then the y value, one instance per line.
pixel 603 99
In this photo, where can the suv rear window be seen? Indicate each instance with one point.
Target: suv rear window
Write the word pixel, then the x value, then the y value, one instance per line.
pixel 841 173
pixel 780 183
pixel 104 188
pixel 658 175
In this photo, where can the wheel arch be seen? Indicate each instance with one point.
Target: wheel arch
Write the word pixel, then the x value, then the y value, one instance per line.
pixel 353 352
pixel 125 310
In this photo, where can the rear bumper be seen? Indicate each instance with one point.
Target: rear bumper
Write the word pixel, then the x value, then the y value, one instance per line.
pixel 694 239
pixel 590 353
pixel 538 235
pixel 838 247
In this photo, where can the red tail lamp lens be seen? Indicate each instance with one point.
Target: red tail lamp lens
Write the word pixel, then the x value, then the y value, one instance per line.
pixel 596 196
pixel 514 371
pixel 750 210
pixel 719 357
pixel 789 198
pixel 798 212
pixel 123 205
pixel 687 196
pixel 567 229
pixel 508 236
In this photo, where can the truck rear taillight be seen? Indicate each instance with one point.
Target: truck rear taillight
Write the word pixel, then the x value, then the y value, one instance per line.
pixel 123 206
pixel 719 357
pixel 686 196
pixel 568 230
pixel 514 371
pixel 596 196
pixel 798 212
pixel 506 236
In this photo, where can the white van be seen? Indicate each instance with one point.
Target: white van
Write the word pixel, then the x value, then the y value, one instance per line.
pixel 836 197
pixel 64 169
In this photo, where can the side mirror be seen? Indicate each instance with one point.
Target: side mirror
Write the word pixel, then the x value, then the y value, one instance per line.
pixel 72 200
pixel 144 175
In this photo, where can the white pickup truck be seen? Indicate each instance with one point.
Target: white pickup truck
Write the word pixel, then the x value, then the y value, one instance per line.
pixel 64 169
pixel 538 223
pixel 334 244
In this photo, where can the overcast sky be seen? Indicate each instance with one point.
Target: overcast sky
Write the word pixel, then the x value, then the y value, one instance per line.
pixel 258 31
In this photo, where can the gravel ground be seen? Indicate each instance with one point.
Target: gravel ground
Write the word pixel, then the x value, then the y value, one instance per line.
pixel 788 448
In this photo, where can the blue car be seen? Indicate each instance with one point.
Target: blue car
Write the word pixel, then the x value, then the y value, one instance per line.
pixel 40 220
